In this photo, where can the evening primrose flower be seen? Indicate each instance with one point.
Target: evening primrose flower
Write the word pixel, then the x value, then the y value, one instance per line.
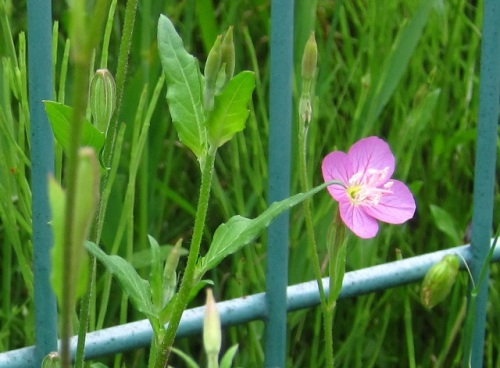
pixel 368 193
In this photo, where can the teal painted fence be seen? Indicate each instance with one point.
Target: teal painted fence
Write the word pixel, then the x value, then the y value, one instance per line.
pixel 279 298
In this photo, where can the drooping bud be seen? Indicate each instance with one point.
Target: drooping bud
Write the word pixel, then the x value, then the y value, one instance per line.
pixel 228 55
pixel 212 67
pixel 52 360
pixel 439 280
pixel 211 330
pixel 102 99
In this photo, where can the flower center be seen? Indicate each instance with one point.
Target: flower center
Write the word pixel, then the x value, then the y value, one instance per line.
pixel 366 188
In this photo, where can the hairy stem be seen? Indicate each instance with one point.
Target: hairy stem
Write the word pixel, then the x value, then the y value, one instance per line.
pixel 81 56
pixel 188 280
pixel 107 155
pixel 305 186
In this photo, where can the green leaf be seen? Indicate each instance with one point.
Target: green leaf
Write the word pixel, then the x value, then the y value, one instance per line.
pixel 230 109
pixel 184 88
pixel 445 223
pixel 98 365
pixel 239 231
pixel 337 268
pixel 155 275
pixel 190 362
pixel 132 284
pixel 142 258
pixel 227 359
pixel 60 117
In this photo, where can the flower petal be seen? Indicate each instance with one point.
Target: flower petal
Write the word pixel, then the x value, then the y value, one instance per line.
pixel 394 208
pixel 336 166
pixel 371 153
pixel 358 220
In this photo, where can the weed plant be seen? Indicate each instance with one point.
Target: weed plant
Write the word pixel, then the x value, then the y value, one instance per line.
pixel 429 119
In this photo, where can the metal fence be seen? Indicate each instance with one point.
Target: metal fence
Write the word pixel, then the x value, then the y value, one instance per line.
pixel 273 305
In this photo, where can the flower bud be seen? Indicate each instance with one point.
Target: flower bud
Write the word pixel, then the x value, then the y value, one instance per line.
pixel 102 99
pixel 211 328
pixel 170 274
pixel 87 191
pixel 212 67
pixel 309 58
pixel 52 360
pixel 85 204
pixel 221 80
pixel 439 280
pixel 309 61
pixel 228 54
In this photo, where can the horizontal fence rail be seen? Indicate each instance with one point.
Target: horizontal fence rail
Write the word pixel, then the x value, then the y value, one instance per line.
pixel 249 308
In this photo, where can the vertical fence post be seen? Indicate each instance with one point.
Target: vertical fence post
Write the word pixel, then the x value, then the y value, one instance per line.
pixel 484 175
pixel 42 163
pixel 279 178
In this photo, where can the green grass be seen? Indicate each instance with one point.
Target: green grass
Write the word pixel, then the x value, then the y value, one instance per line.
pixel 429 118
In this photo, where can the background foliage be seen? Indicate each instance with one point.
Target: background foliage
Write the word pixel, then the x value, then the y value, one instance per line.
pixel 429 120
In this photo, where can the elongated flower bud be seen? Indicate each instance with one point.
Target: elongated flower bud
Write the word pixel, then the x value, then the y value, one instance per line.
pixel 87 191
pixel 86 201
pixel 211 329
pixel 310 58
pixel 439 280
pixel 309 62
pixel 212 67
pixel 228 54
pixel 170 274
pixel 102 99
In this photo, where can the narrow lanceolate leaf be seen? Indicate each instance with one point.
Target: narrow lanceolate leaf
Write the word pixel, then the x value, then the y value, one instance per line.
pixel 239 231
pixel 227 359
pixel 132 284
pixel 230 110
pixel 60 117
pixel 155 273
pixel 184 87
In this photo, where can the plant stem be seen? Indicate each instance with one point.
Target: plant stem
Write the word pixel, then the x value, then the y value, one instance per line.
pixel 85 315
pixel 328 313
pixel 182 297
pixel 336 269
pixel 407 316
pixel 313 249
pixel 83 44
pixel 126 41
pixel 107 156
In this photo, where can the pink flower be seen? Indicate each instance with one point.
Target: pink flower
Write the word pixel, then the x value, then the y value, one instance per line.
pixel 369 193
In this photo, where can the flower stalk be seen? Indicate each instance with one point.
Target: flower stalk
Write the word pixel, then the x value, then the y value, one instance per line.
pixel 180 302
pixel 309 61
